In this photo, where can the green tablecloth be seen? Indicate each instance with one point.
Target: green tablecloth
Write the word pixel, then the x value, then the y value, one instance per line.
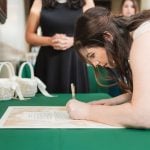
pixel 69 139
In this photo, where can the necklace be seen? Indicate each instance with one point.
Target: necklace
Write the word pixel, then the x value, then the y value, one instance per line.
pixel 61 1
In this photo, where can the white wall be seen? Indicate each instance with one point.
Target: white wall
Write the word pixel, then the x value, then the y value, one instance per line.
pixel 12 32
pixel 145 4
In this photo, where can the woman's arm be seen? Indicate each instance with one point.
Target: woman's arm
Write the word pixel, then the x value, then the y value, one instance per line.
pixel 89 4
pixel 134 114
pixel 126 97
pixel 32 25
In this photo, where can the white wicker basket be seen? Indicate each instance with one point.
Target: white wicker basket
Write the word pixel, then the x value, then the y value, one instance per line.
pixel 7 83
pixel 28 86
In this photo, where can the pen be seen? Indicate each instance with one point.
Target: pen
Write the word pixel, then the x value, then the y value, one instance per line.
pixel 73 91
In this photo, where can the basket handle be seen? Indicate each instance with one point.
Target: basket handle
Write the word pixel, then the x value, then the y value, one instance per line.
pixel 9 67
pixel 22 67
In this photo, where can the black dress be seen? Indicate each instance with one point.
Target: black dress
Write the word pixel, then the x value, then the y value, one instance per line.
pixel 56 68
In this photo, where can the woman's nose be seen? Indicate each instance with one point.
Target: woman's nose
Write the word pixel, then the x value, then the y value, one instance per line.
pixel 96 63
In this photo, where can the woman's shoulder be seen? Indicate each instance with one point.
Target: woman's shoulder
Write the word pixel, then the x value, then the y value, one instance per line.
pixel 88 4
pixel 36 7
pixel 140 47
pixel 143 28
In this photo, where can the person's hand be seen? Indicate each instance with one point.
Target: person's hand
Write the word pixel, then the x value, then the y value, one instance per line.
pixel 77 109
pixel 68 42
pixel 61 42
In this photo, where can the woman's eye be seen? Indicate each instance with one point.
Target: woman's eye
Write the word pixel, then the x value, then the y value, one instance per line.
pixel 92 55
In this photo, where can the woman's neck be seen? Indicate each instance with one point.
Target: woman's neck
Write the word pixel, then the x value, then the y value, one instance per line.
pixel 61 1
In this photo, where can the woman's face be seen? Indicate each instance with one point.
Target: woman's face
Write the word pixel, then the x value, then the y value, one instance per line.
pixel 96 56
pixel 128 8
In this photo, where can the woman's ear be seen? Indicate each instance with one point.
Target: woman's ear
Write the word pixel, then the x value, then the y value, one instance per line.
pixel 108 36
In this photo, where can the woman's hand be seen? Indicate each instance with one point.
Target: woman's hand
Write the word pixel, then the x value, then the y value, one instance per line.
pixel 77 109
pixel 61 42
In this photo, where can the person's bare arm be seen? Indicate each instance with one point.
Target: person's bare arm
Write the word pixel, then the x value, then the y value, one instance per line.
pixel 123 98
pixel 89 4
pixel 32 25
pixel 134 114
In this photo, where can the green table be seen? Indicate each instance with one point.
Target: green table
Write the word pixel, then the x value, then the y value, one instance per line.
pixel 69 139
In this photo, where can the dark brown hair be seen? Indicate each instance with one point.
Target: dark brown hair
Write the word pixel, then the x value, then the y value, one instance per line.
pixel 73 4
pixel 91 26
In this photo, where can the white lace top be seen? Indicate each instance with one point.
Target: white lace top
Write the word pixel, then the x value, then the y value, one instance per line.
pixel 144 27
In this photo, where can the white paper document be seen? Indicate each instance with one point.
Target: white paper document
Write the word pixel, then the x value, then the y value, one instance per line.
pixel 43 117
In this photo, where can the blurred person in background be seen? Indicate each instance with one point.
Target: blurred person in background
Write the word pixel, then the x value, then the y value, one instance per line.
pixel 129 8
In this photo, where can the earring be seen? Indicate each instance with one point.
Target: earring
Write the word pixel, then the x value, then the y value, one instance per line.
pixel 113 62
